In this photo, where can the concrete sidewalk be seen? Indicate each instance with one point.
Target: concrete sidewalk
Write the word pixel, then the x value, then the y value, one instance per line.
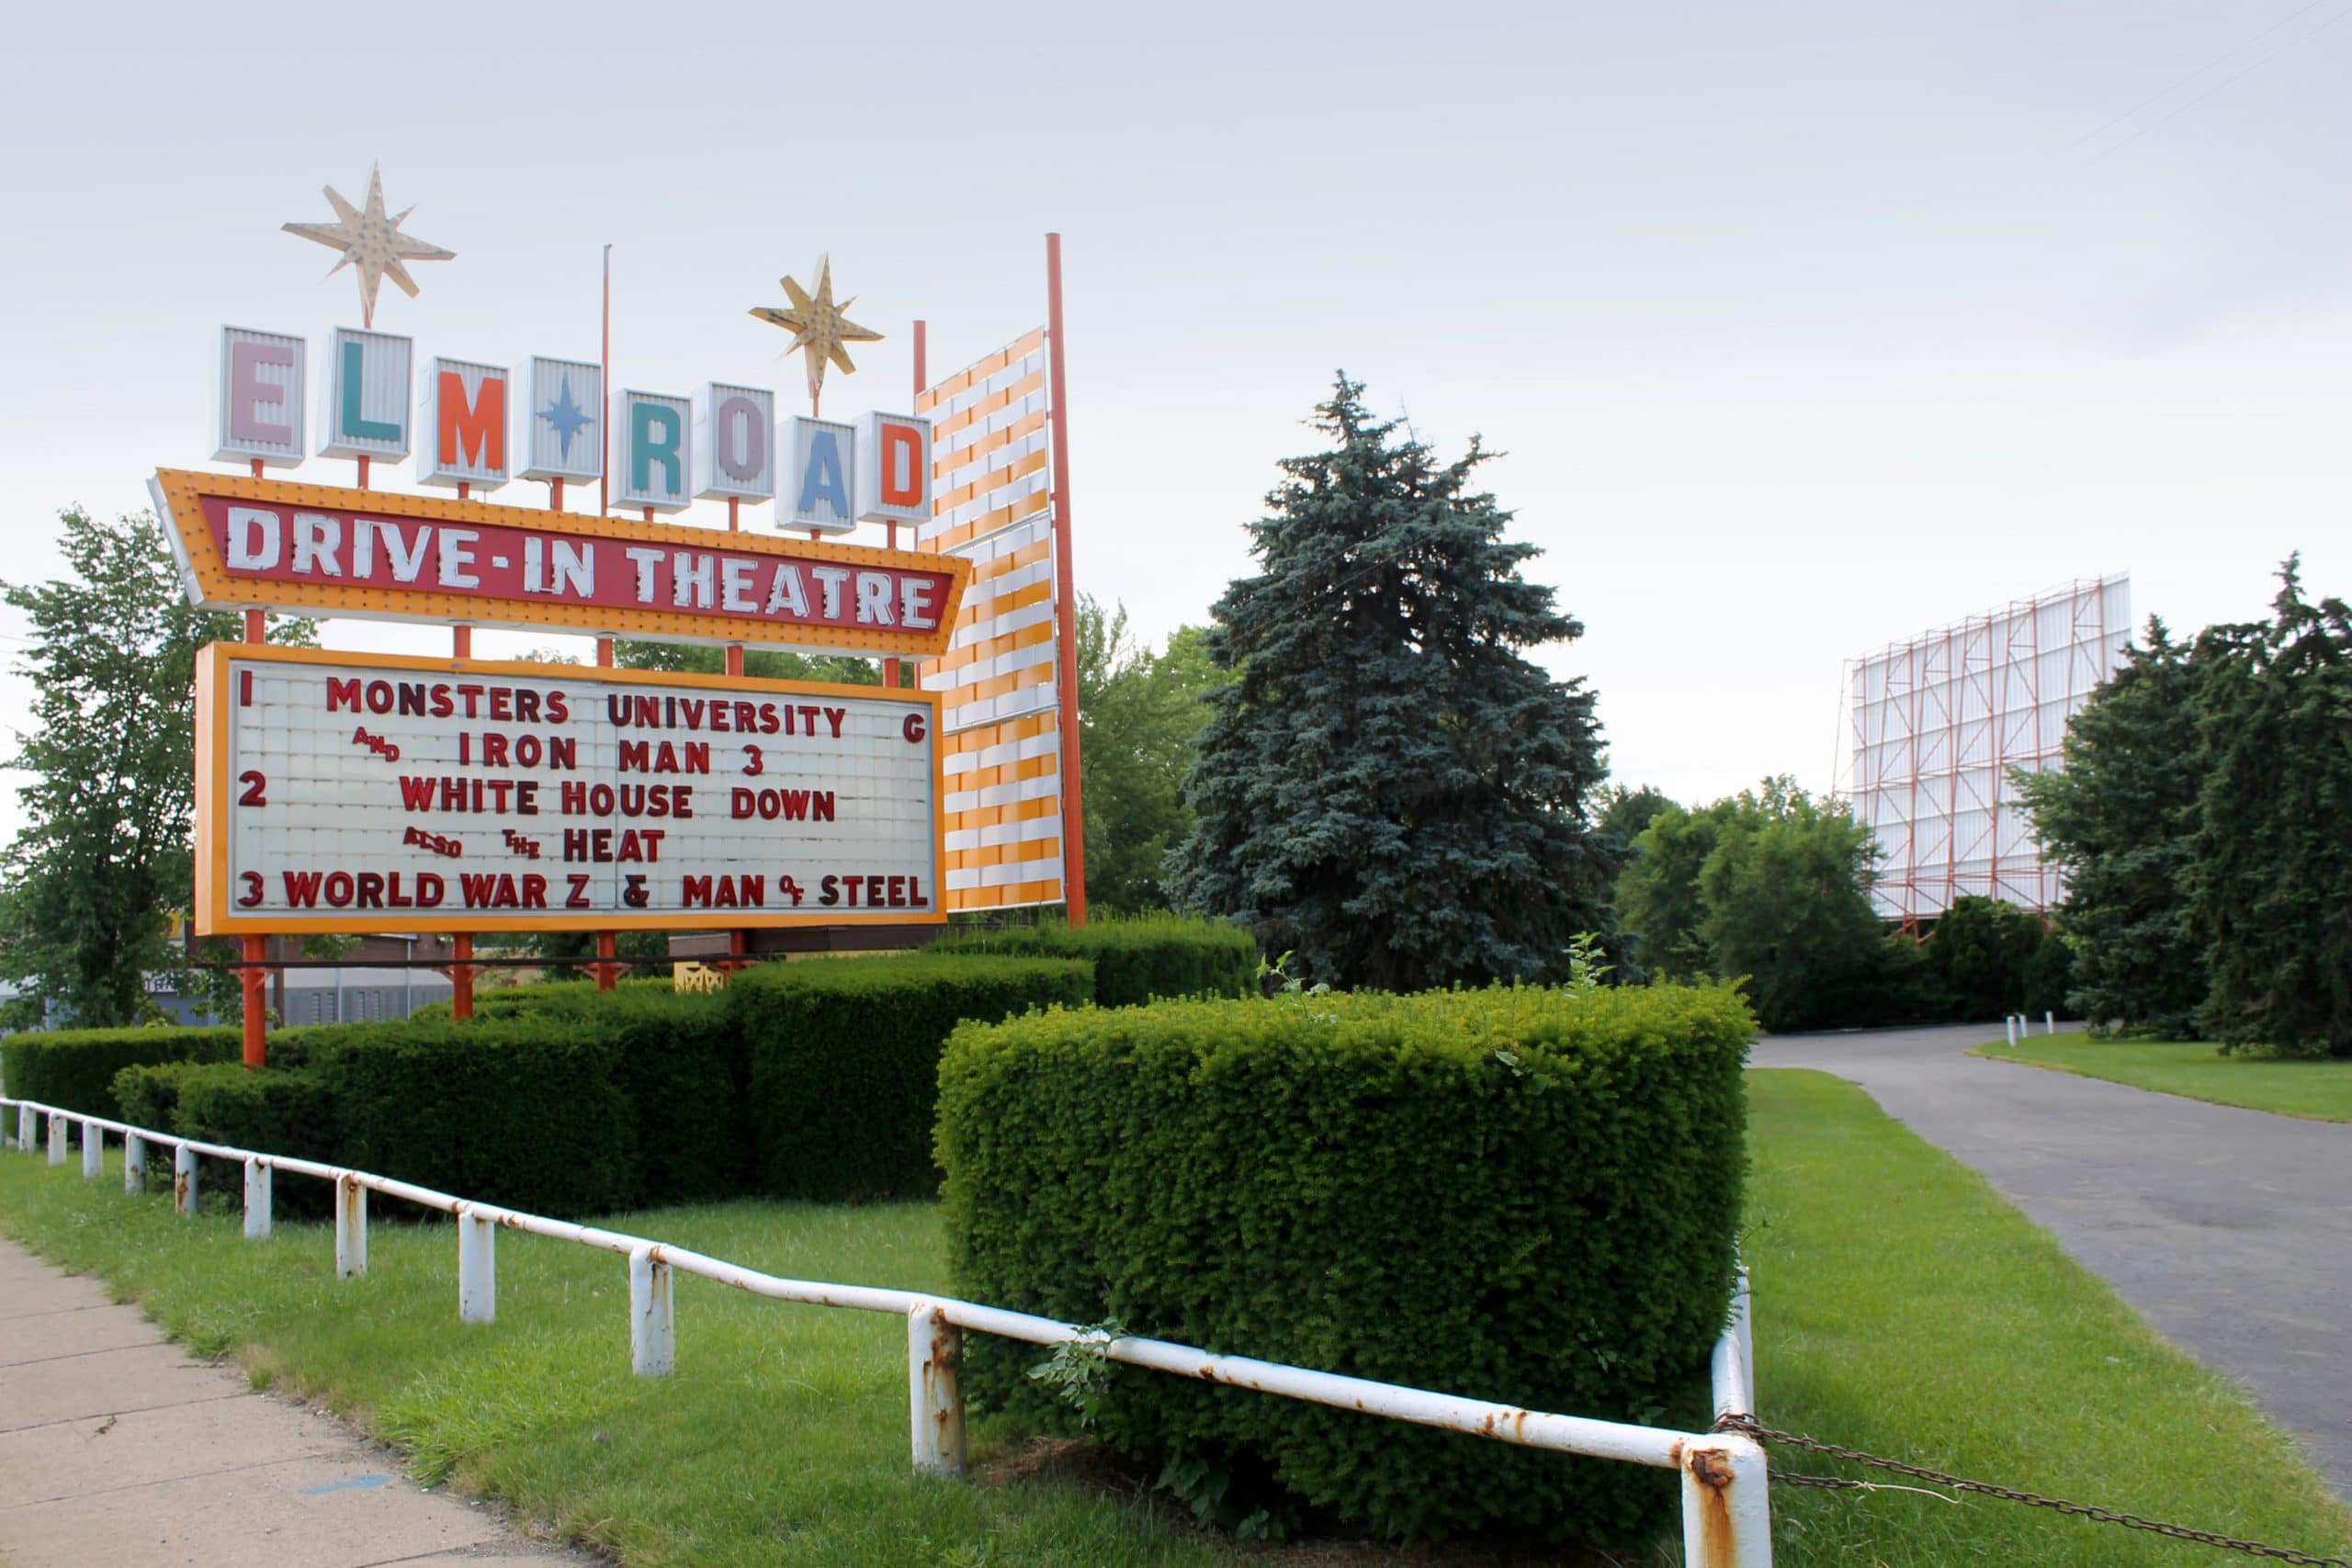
pixel 117 1447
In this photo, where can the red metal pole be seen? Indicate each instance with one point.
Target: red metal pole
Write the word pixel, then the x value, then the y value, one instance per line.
pixel 252 979
pixel 606 971
pixel 603 653
pixel 735 659
pixel 604 377
pixel 461 641
pixel 1066 596
pixel 363 473
pixel 555 495
pixel 461 979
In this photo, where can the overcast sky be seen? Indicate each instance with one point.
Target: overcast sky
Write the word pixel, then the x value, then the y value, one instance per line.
pixel 1805 327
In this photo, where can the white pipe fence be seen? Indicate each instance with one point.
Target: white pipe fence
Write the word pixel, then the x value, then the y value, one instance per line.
pixel 1725 1520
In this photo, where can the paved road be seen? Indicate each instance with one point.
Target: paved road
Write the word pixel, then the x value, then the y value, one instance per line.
pixel 117 1448
pixel 2229 1230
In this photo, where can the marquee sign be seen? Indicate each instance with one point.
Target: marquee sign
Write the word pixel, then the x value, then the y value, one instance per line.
pixel 350 792
pixel 259 542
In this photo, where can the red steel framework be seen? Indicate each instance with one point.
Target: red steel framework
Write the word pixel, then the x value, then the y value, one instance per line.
pixel 1932 727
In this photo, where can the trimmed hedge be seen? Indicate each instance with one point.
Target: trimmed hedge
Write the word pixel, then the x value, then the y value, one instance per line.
pixel 844 1058
pixel 526 1111
pixel 286 1112
pixel 75 1068
pixel 1522 1195
pixel 513 1001
pixel 684 1072
pixel 1136 957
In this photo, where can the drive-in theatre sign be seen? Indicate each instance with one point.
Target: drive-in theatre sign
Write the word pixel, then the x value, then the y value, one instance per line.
pixel 347 793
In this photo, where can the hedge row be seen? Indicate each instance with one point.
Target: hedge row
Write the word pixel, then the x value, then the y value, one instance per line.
pixel 845 1061
pixel 1521 1195
pixel 1136 957
pixel 76 1067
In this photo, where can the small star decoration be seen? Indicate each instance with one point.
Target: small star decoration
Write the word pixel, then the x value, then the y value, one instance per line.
pixel 374 241
pixel 567 416
pixel 818 326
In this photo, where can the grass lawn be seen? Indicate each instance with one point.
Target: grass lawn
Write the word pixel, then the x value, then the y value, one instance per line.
pixel 2317 1091
pixel 1903 1308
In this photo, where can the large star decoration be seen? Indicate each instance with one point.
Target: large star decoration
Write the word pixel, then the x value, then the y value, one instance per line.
pixel 818 326
pixel 373 241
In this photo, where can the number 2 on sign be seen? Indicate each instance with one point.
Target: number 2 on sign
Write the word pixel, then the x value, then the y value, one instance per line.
pixel 254 785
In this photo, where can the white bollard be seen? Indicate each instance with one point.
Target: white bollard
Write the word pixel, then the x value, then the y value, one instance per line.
pixel 2009 1027
pixel 1726 1519
pixel 56 1138
pixel 94 1150
pixel 652 1317
pixel 257 1184
pixel 476 1269
pixel 184 1180
pixel 134 1163
pixel 2049 1023
pixel 350 1226
pixel 934 1393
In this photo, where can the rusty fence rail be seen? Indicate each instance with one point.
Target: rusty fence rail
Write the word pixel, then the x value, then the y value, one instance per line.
pixel 1725 1520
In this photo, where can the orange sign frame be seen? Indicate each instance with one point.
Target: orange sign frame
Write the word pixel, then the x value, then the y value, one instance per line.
pixel 215 913
pixel 180 493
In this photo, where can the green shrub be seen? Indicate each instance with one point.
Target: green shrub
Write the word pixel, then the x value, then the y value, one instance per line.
pixel 1521 1195
pixel 524 1112
pixel 75 1068
pixel 845 1061
pixel 1136 957
pixel 512 1001
pixel 684 1072
pixel 277 1111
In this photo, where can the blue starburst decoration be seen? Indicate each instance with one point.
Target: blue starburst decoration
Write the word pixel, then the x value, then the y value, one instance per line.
pixel 566 416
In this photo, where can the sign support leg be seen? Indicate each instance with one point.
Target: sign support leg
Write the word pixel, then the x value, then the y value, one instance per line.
pixel 605 967
pixel 253 979
pixel 461 979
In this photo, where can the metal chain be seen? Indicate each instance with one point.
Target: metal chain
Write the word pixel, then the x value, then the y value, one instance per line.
pixel 1748 1426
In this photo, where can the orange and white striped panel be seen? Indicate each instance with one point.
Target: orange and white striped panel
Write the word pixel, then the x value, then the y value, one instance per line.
pixel 1000 718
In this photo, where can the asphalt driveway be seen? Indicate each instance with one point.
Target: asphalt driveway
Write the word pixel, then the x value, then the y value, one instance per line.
pixel 2229 1230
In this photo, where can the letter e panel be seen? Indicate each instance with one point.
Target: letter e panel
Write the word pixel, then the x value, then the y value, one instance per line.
pixel 348 793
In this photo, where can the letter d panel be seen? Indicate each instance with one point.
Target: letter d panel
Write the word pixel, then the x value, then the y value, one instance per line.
pixel 652 450
pixel 735 439
pixel 464 421
pixel 817 486
pixel 893 468
pixel 261 398
pixel 365 410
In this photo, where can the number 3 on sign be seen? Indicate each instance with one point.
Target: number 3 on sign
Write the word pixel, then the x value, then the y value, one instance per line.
pixel 254 785
pixel 252 895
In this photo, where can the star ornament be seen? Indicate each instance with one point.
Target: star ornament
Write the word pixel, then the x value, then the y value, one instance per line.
pixel 818 326
pixel 371 242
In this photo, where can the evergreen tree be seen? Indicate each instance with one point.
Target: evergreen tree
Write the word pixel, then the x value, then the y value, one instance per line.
pixel 1983 951
pixel 1390 789
pixel 2120 818
pixel 2269 874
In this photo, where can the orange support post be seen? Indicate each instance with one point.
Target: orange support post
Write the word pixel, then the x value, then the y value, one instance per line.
pixel 255 980
pixel 461 977
pixel 1066 593
pixel 735 659
pixel 606 969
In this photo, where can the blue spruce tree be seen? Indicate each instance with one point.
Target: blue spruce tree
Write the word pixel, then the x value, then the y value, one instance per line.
pixel 1389 789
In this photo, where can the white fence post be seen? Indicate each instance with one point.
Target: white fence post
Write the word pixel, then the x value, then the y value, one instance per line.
pixel 350 1226
pixel 652 1316
pixel 257 1184
pixel 184 1180
pixel 934 1394
pixel 2049 1023
pixel 134 1163
pixel 2009 1027
pixel 1726 1522
pixel 477 1267
pixel 94 1150
pixel 56 1138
